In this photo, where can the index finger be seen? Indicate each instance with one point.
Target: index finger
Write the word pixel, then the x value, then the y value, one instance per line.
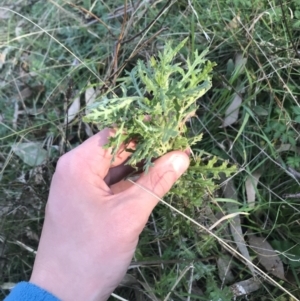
pixel 99 159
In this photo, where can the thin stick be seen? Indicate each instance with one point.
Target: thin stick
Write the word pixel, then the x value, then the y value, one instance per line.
pixel 177 281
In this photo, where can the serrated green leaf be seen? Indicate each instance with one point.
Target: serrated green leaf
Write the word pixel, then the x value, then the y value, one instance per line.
pixel 162 92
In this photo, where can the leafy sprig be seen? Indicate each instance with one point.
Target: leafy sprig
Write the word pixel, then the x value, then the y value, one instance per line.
pixel 158 98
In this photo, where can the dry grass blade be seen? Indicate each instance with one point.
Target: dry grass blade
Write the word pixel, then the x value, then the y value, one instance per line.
pixel 149 291
pixel 186 269
pixel 228 216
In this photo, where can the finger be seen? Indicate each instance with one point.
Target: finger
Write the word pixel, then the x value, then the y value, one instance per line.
pixel 159 180
pixel 118 173
pixel 98 159
pixel 120 186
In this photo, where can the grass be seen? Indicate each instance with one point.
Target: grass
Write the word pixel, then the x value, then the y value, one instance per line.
pixel 52 52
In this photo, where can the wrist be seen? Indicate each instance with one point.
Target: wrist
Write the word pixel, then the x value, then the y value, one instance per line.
pixel 69 287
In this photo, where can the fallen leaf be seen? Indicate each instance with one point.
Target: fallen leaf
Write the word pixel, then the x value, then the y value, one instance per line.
pixel 287 148
pixel 128 280
pixel 88 130
pixel 234 23
pixel 31 153
pixel 230 68
pixel 224 264
pixel 90 95
pixel 240 62
pixel 230 192
pixel 260 111
pixel 268 258
pixel 3 55
pixel 7 285
pixel 245 287
pixel 25 93
pixel 18 31
pixel 73 110
pixel 251 184
pixel 31 235
pixel 232 112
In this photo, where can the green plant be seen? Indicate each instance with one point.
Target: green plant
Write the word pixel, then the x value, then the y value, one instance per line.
pixel 157 101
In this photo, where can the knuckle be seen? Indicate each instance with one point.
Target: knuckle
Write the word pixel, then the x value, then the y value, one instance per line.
pixel 63 163
pixel 67 163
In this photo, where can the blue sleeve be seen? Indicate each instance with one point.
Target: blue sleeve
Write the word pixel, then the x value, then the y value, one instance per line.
pixel 25 291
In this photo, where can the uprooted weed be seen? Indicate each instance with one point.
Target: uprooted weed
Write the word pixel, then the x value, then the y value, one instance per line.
pixel 53 53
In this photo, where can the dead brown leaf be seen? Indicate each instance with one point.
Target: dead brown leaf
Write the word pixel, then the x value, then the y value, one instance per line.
pixel 224 264
pixel 251 184
pixel 230 192
pixel 234 23
pixel 240 62
pixel 73 110
pixel 25 93
pixel 88 130
pixel 268 258
pixel 90 97
pixel 245 287
pixel 3 56
pixel 232 112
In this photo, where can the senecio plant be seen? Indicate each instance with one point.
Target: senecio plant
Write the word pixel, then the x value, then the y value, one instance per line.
pixel 158 99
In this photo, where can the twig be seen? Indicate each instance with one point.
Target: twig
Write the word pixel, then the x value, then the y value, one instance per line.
pixel 158 242
pixel 135 53
pixel 295 173
pixel 149 25
pixel 93 15
pixel 118 45
pixel 178 280
pixel 288 30
pixel 291 195
pixel 190 283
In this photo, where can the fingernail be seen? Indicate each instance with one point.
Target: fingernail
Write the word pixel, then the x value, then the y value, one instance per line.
pixel 180 163
pixel 188 151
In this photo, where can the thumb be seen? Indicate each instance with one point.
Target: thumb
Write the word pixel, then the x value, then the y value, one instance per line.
pixel 159 179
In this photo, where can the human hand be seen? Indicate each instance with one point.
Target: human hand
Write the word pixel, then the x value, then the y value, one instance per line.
pixel 94 218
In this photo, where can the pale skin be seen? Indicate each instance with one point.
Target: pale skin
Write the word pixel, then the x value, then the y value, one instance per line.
pixel 94 218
